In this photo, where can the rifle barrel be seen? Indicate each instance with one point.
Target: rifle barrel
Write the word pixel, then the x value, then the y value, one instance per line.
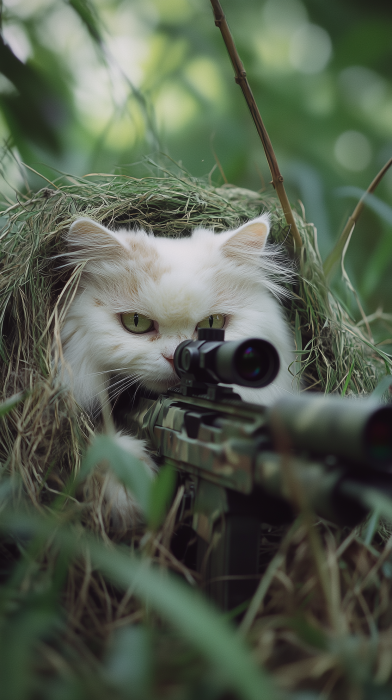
pixel 357 431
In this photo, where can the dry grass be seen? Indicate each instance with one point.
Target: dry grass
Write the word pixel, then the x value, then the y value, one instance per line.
pixel 331 631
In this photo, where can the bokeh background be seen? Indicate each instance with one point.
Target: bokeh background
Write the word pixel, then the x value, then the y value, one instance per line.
pixel 116 86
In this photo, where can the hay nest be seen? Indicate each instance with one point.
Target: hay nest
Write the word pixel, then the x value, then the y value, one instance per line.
pixel 42 437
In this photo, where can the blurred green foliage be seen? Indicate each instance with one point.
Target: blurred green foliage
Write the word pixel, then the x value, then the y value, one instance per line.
pixel 93 86
pixel 96 86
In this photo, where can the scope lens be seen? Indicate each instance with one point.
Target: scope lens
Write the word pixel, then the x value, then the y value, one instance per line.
pixel 379 437
pixel 251 362
pixel 186 359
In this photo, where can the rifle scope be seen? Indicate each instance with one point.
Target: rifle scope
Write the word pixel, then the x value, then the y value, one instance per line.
pixel 251 362
pixel 357 430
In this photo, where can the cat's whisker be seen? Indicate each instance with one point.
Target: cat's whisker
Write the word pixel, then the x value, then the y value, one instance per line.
pixel 107 371
pixel 124 387
pixel 119 387
pixel 109 386
pixel 129 380
pixel 125 384
pixel 101 399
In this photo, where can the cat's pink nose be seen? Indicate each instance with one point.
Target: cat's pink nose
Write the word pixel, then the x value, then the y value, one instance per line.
pixel 170 360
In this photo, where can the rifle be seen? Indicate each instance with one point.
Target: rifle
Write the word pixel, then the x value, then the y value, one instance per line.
pixel 243 464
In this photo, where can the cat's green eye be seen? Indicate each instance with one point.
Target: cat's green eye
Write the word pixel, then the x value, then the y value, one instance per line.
pixel 136 323
pixel 213 321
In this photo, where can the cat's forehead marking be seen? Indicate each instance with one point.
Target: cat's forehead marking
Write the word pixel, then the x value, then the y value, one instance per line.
pixel 140 245
pixel 143 250
pixel 156 270
pixel 170 280
pixel 98 302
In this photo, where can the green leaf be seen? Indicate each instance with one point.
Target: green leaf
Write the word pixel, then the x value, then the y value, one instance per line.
pixel 181 606
pixel 371 498
pixel 372 527
pixel 347 382
pixel 129 663
pixel 310 634
pixel 7 405
pixel 128 469
pixel 89 17
pixel 35 108
pixel 382 387
pixel 20 634
pixel 161 493
pixel 372 201
pixel 194 618
pixel 298 347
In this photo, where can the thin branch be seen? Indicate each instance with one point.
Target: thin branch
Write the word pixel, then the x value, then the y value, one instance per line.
pixel 241 80
pixel 337 252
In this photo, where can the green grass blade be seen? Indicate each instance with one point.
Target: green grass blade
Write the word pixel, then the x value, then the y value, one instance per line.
pixel 161 493
pixel 298 347
pixel 128 469
pixel 88 15
pixel 194 618
pixel 347 382
pixel 384 385
pixel 372 499
pixel 7 405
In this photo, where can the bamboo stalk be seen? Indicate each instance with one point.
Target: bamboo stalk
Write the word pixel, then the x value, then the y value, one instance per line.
pixel 242 81
pixel 337 252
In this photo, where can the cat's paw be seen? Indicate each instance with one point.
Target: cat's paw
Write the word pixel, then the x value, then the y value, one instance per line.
pixel 136 448
pixel 120 509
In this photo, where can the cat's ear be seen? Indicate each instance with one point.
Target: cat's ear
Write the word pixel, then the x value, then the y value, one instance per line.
pixel 88 240
pixel 248 240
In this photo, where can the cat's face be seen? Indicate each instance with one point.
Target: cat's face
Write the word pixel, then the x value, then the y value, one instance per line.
pixel 140 296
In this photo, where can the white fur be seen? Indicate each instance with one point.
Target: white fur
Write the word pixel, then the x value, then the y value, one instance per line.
pixel 122 505
pixel 177 283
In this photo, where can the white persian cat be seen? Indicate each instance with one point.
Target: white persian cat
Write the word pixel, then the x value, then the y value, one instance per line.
pixel 140 296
